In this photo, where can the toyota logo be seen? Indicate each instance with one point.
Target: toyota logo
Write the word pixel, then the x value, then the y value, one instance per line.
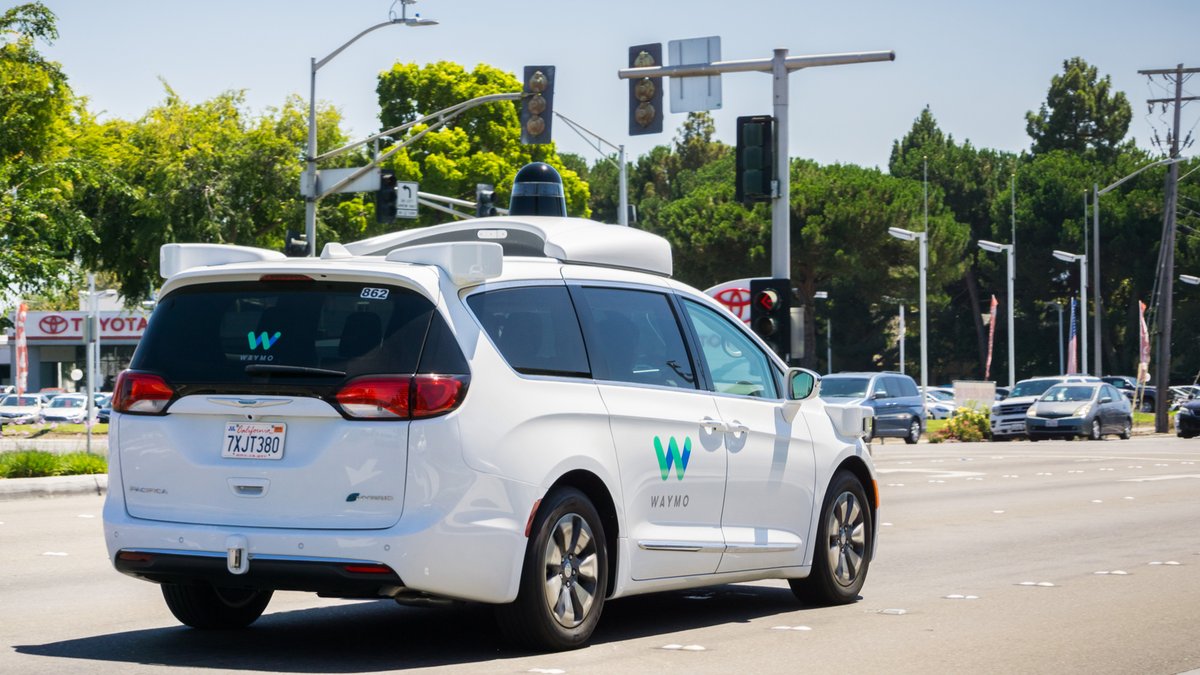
pixel 53 324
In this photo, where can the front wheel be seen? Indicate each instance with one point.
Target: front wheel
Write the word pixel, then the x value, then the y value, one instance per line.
pixel 1094 434
pixel 844 541
pixel 564 577
pixel 914 432
pixel 208 607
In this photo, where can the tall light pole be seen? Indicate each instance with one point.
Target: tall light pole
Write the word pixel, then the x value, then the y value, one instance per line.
pixel 922 240
pixel 310 170
pixel 1059 306
pixel 1096 192
pixel 1083 269
pixel 824 295
pixel 1010 251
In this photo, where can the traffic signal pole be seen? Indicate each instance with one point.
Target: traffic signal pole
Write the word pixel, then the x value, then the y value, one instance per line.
pixel 780 65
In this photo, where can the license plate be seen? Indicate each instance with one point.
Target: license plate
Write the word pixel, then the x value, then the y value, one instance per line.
pixel 253 440
pixel 1051 423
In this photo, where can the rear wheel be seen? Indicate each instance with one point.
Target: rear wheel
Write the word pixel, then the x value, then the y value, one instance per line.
pixel 1127 428
pixel 914 432
pixel 843 546
pixel 564 577
pixel 205 606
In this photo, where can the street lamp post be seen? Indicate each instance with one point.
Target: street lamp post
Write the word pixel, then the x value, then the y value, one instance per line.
pixel 922 240
pixel 311 193
pixel 824 295
pixel 1083 269
pixel 1010 251
pixel 1096 192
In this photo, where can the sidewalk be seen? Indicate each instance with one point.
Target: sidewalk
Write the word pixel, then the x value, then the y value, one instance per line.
pixel 12 489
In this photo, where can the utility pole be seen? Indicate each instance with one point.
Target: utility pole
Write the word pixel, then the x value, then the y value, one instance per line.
pixel 1167 272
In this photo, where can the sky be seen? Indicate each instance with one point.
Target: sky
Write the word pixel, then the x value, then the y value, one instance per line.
pixel 980 66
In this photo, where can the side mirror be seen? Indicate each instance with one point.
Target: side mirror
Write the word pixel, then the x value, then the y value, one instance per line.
pixel 802 384
pixel 879 394
pixel 1106 399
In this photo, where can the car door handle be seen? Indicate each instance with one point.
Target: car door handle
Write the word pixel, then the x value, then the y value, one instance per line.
pixel 713 425
pixel 737 428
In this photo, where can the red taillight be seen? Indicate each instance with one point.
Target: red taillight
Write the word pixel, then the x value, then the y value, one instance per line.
pixel 285 277
pixel 376 397
pixel 141 393
pixel 437 394
pixel 368 568
pixel 401 397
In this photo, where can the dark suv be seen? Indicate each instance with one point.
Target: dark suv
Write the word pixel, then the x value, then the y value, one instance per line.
pixel 1129 386
pixel 899 409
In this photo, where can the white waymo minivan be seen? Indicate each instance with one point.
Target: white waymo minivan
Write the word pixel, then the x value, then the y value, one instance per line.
pixel 522 411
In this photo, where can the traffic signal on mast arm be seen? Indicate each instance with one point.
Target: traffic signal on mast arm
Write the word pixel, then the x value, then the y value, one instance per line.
pixel 771 313
pixel 485 200
pixel 537 105
pixel 645 94
pixel 385 198
pixel 755 158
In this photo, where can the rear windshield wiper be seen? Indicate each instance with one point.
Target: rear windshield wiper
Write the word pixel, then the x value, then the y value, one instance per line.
pixel 298 371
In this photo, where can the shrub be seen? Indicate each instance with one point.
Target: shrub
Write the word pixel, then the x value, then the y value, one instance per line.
pixel 28 464
pixel 78 463
pixel 966 425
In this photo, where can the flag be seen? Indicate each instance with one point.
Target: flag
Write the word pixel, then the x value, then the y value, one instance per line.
pixel 1072 344
pixel 22 378
pixel 1144 360
pixel 987 370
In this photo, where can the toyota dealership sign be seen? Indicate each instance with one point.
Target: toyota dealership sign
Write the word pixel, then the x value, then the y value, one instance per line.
pixel 69 326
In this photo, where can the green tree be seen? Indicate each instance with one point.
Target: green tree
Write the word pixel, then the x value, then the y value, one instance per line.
pixel 483 145
pixel 1081 113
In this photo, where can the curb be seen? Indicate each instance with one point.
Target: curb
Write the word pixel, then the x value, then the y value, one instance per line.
pixel 12 489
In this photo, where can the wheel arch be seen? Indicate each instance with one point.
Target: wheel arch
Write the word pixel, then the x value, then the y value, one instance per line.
pixel 856 466
pixel 597 492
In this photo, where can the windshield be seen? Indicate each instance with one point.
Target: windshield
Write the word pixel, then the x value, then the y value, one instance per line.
pixel 1031 388
pixel 65 402
pixel 19 400
pixel 844 387
pixel 1063 393
pixel 942 395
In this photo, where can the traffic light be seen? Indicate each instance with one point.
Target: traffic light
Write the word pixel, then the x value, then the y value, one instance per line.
pixel 771 313
pixel 485 200
pixel 385 198
pixel 537 105
pixel 755 158
pixel 295 244
pixel 645 94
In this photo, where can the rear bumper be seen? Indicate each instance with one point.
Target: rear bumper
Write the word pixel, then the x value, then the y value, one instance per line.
pixel 337 578
pixel 1188 424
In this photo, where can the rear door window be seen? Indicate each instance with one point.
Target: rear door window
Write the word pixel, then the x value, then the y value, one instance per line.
pixel 634 336
pixel 534 328
pixel 281 335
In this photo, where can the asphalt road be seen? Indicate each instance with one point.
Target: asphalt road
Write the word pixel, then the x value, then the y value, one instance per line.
pixel 994 558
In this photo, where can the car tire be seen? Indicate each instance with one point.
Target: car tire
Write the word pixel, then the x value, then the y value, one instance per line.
pixel 1127 429
pixel 1147 405
pixel 207 607
pixel 914 432
pixel 844 541
pixel 1034 439
pixel 564 577
pixel 1096 431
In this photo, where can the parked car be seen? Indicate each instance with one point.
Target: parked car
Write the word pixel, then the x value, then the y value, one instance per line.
pixel 1183 393
pixel 1008 416
pixel 20 409
pixel 893 396
pixel 1187 419
pixel 1086 409
pixel 66 408
pixel 939 404
pixel 1129 387
pixel 521 411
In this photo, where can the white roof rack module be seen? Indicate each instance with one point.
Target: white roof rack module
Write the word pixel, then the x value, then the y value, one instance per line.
pixel 573 240
pixel 175 258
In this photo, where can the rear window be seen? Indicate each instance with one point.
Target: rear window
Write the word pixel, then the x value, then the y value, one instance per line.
pixel 292 334
pixel 844 387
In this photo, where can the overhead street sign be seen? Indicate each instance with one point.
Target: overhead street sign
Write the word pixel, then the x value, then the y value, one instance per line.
pixel 406 200
pixel 693 94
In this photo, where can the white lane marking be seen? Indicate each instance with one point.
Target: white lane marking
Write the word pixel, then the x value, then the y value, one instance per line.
pixel 1097 501
pixel 894 612
pixel 86 515
pixel 934 473
pixel 799 628
pixel 895 484
pixel 1172 563
pixel 957 596
pixel 1041 584
pixel 686 648
pixel 547 671
pixel 889 525
pixel 56 554
pixel 1156 478
pixel 1115 573
pixel 998 511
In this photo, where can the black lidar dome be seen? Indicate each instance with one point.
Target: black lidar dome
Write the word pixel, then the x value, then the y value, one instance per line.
pixel 537 191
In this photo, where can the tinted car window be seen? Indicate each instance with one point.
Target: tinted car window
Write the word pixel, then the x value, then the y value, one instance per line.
pixel 213 333
pixel 1031 388
pixel 906 386
pixel 844 387
pixel 735 363
pixel 634 336
pixel 535 329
